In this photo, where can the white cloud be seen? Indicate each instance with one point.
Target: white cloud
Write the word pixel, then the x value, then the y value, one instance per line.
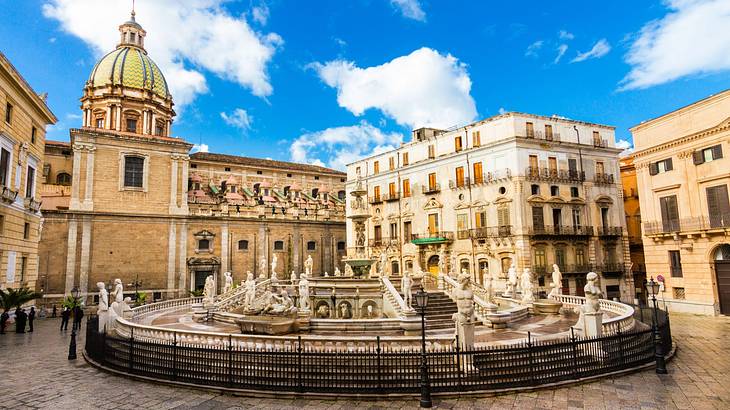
pixel 409 9
pixel 561 51
pixel 502 110
pixel 424 88
pixel 565 35
pixel 533 48
pixel 200 148
pixel 239 118
pixel 338 146
pixel 694 38
pixel 626 146
pixel 260 14
pixel 185 39
pixel 600 49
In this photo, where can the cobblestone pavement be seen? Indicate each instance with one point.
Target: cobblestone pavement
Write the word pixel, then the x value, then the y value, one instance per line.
pixel 36 374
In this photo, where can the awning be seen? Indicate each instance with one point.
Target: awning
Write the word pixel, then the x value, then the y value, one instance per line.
pixel 213 188
pixel 429 241
pixel 267 198
pixel 248 192
pixel 279 195
pixel 307 196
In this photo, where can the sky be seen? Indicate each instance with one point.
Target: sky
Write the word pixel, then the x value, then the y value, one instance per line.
pixel 329 81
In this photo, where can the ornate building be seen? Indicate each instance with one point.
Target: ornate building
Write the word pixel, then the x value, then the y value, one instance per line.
pixel 127 199
pixel 682 170
pixel 22 133
pixel 514 188
pixel 633 225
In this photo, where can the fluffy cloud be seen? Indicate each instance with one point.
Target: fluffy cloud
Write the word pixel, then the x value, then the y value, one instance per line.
pixel 561 51
pixel 533 48
pixel 600 49
pixel 200 148
pixel 336 147
pixel 260 14
pixel 184 38
pixel 409 9
pixel 691 39
pixel 424 88
pixel 565 35
pixel 239 118
pixel 626 146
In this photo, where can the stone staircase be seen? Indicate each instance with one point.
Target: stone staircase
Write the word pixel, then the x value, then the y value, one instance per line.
pixel 439 310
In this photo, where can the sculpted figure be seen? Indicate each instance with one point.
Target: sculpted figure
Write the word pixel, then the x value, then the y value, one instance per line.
pixel 250 286
pixel 527 296
pixel 345 311
pixel 228 285
pixel 323 312
pixel 511 280
pixel 488 284
pixel 593 294
pixel 274 261
pixel 262 267
pixel 452 271
pixel 383 261
pixel 337 271
pixel 209 289
pixel 308 264
pixel 293 278
pixel 557 283
pixel 369 313
pixel 280 304
pixel 118 294
pixel 303 293
pixel 464 301
pixel 406 286
pixel 103 297
pixel 349 271
pixel 360 242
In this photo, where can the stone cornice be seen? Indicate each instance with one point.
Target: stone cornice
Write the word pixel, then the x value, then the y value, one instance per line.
pixel 721 127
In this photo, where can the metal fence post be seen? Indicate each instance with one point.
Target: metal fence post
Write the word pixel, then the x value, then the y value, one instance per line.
pixel 575 352
pixel 299 363
pixel 529 355
pixel 458 362
pixel 620 346
pixel 230 360
pixel 174 355
pixel 380 385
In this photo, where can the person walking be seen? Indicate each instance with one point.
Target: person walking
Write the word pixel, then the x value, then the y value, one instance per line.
pixel 54 311
pixel 20 318
pixel 65 315
pixel 3 322
pixel 31 318
pixel 78 315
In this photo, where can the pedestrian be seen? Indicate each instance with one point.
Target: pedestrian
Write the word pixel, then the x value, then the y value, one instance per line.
pixel 3 322
pixel 65 315
pixel 78 314
pixel 54 311
pixel 20 318
pixel 31 318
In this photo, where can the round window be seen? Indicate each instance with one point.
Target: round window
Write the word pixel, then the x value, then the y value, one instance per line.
pixel 502 190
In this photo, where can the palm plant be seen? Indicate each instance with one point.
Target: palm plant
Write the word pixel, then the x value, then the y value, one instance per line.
pixel 11 298
pixel 196 293
pixel 140 299
pixel 71 302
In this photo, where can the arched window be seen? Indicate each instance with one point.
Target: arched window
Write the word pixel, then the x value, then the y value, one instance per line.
pixel 311 246
pixel 63 178
pixel 341 195
pixel 243 245
pixel 278 245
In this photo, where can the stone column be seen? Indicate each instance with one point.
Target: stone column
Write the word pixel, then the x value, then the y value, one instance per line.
pixel 225 265
pixel 108 118
pixel 119 118
pixel 182 263
pixel 145 121
pixel 71 255
pixel 88 204
pixel 76 175
pixel 85 257
pixel 184 185
pixel 173 184
pixel 171 244
pixel 295 249
pixel 263 246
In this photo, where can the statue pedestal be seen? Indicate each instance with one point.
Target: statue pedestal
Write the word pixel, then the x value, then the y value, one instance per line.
pixel 465 331
pixel 592 324
pixel 303 317
pixel 103 319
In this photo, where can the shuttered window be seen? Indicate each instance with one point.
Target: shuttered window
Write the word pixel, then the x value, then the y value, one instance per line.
pixel 660 166
pixel 718 206
pixel 406 188
pixel 538 220
pixel 707 154
pixel 670 213
pixel 503 216
pixel 478 173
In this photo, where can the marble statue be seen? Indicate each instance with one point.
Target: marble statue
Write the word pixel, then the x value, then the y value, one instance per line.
pixel 293 278
pixel 103 297
pixel 262 267
pixel 326 274
pixel 303 293
pixel 511 281
pixel 345 311
pixel 308 264
pixel 348 271
pixel 442 263
pixel 323 312
pixel 250 287
pixel 557 283
pixel 274 262
pixel 383 261
pixel 337 272
pixel 274 280
pixel 209 290
pixel 280 304
pixel 228 282
pixel 527 295
pixel 360 241
pixel 369 312
pixel 464 317
pixel 406 286
pixel 453 267
pixel 488 284
pixel 118 295
pixel 593 294
pixel 126 306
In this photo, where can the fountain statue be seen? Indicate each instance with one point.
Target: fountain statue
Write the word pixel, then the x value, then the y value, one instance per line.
pixel 527 295
pixel 308 264
pixel 280 305
pixel 464 317
pixel 348 271
pixel 453 267
pixel 337 272
pixel 118 295
pixel 293 278
pixel 209 291
pixel 303 293
pixel 262 267
pixel 488 284
pixel 591 311
pixel 103 309
pixel 406 286
pixel 229 282
pixel 382 263
pixel 557 283
pixel 274 260
pixel 250 287
pixel 511 281
pixel 442 262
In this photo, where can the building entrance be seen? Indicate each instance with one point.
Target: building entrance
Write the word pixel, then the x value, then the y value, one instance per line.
pixel 722 271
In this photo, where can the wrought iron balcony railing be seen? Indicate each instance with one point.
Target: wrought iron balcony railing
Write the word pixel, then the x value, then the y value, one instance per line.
pixel 390 197
pixel 560 230
pixel 554 175
pixel 610 231
pixel 540 135
pixel 491 232
pixel 459 184
pixel 431 189
pixel 448 236
pixel 375 199
pixel 613 267
pixel 603 179
pixel 702 223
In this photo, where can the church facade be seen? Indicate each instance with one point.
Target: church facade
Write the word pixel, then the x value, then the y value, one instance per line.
pixel 126 199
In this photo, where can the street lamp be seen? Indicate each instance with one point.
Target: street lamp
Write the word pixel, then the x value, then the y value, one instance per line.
pixel 422 303
pixel 652 288
pixel 72 344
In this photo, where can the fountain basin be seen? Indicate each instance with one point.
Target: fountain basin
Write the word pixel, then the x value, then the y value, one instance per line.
pixel 547 306
pixel 267 324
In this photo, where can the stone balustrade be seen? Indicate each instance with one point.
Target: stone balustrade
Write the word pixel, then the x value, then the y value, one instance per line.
pixel 623 321
pixel 394 297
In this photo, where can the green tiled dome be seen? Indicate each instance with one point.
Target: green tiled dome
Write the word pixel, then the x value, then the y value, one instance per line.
pixel 130 67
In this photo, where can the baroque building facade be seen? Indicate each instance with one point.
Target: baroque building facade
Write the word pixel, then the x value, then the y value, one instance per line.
pixel 682 165
pixel 514 188
pixel 22 134
pixel 632 207
pixel 125 199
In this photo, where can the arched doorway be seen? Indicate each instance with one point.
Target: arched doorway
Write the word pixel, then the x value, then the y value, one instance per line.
pixel 433 265
pixel 722 272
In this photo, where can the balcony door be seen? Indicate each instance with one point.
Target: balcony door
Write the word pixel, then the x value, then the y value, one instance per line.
pixel 670 213
pixel 718 206
pixel 433 223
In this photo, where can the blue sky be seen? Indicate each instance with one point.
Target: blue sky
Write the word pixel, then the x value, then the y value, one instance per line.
pixel 328 81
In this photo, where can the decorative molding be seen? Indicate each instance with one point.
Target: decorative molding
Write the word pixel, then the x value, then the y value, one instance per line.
pixel 666 187
pixel 721 127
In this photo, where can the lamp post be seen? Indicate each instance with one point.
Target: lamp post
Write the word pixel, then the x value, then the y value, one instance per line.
pixel 422 303
pixel 72 344
pixel 653 288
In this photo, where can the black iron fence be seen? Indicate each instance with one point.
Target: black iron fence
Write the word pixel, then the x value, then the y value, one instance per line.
pixel 378 370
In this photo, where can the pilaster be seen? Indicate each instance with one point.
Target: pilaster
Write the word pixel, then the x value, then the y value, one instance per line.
pixel 71 255
pixel 85 257
pixel 171 244
pixel 225 265
pixel 182 263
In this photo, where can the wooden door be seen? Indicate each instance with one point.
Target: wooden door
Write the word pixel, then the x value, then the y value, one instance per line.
pixel 433 223
pixel 722 270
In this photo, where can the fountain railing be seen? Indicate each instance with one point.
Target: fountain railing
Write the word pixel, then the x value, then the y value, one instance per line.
pixel 622 322
pixel 234 296
pixel 391 295
pixel 165 305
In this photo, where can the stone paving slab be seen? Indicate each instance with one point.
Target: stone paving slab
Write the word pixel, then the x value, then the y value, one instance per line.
pixel 37 375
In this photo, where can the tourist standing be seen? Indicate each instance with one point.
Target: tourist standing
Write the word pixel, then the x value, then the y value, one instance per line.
pixel 3 322
pixel 53 314
pixel 31 318
pixel 78 314
pixel 20 319
pixel 65 315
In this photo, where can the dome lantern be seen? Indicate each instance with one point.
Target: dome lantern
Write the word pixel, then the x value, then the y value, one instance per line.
pixel 132 34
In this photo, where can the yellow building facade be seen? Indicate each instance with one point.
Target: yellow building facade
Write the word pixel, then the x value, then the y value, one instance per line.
pixel 683 174
pixel 22 135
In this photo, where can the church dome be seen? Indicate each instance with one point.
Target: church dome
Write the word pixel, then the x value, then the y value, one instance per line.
pixel 129 66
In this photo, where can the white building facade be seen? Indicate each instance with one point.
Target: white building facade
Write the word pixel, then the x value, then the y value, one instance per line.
pixel 514 188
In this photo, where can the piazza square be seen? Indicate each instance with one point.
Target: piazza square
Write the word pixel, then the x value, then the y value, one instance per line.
pixel 209 249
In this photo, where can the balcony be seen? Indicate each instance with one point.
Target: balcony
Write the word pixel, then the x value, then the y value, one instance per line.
pixel 431 189
pixel 611 267
pixel 459 184
pixel 610 231
pixel 463 234
pixel 8 195
pixel 579 268
pixel 539 269
pixel 391 196
pixel 554 175
pixel 380 242
pixel 375 199
pixel 717 222
pixel 560 230
pixel 432 238
pixel 491 232
pixel 600 143
pixel 32 205
pixel 603 179
pixel 541 135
